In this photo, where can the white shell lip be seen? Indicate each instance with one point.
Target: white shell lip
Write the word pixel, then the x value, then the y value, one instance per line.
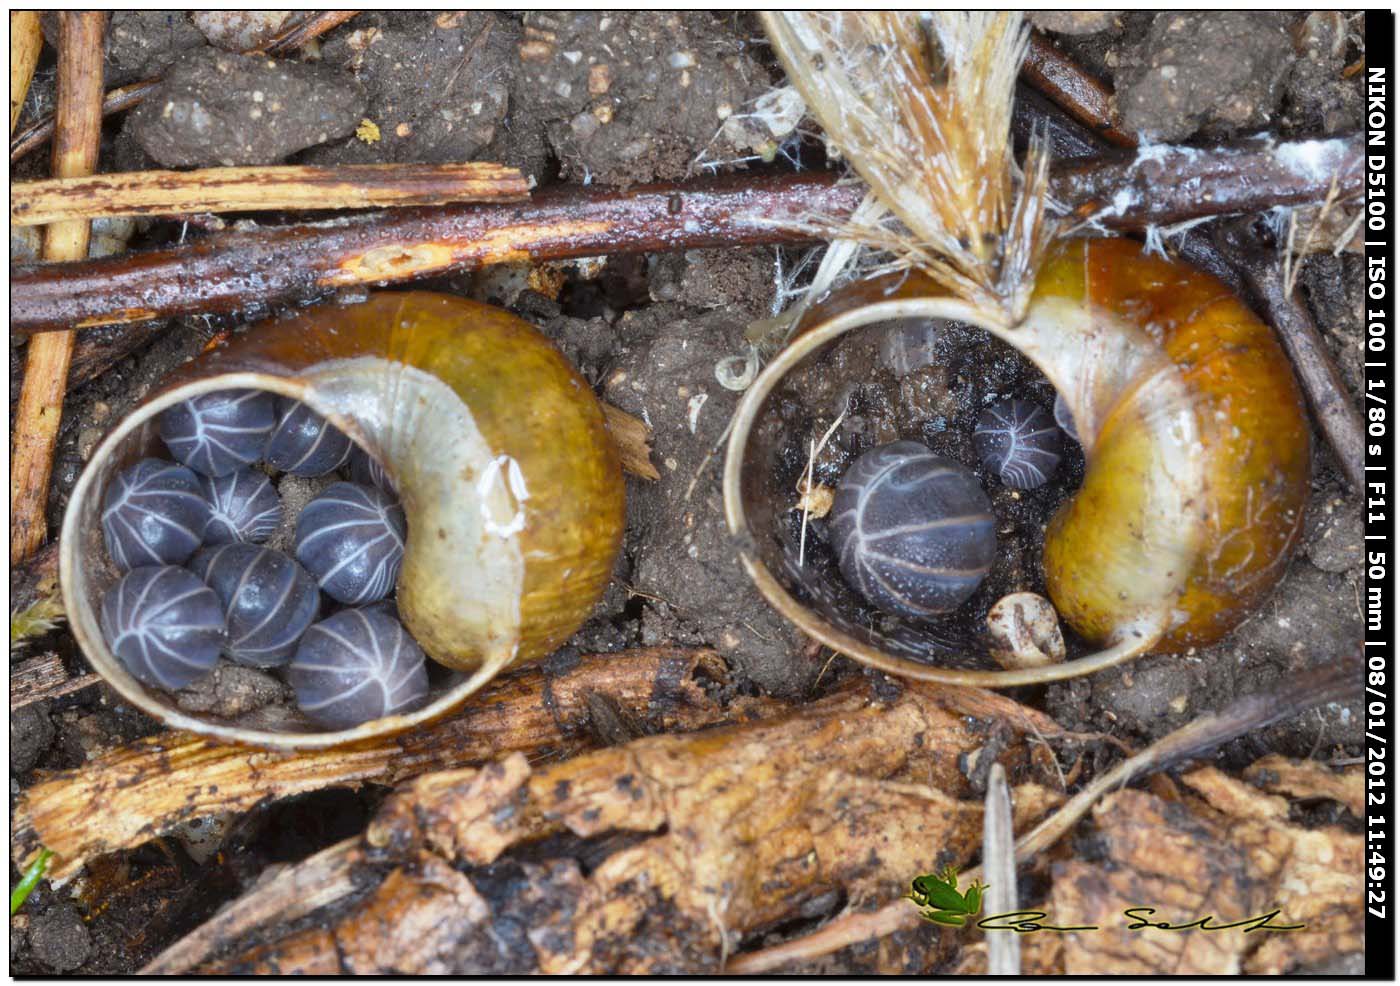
pixel 79 577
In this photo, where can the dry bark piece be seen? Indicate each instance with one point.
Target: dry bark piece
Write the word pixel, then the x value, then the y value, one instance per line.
pixel 152 785
pixel 1308 780
pixel 220 108
pixel 296 187
pixel 734 829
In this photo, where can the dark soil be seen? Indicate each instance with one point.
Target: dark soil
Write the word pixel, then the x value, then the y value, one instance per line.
pixel 633 97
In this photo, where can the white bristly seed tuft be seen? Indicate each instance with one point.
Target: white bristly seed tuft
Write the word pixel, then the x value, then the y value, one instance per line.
pixel 920 105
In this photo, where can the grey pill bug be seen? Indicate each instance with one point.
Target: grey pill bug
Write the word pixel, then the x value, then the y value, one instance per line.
pixel 164 625
pixel 153 513
pixel 351 538
pixel 216 433
pixel 269 601
pixel 913 532
pixel 243 507
pixel 358 665
pixel 1020 442
pixel 366 470
pixel 303 443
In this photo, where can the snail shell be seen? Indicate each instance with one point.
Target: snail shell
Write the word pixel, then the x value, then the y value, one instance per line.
pixel 511 485
pixel 1194 433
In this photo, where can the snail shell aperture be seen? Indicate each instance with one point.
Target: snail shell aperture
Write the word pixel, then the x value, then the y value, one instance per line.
pixel 1194 433
pixel 509 480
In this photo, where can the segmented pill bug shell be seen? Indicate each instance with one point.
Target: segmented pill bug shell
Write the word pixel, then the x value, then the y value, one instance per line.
pixel 1020 442
pixel 164 625
pixel 366 470
pixel 243 507
pixel 153 514
pixel 216 433
pixel 360 664
pixel 912 531
pixel 269 601
pixel 303 443
pixel 351 539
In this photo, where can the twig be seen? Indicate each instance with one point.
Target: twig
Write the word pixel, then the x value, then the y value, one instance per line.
pixel 1336 414
pixel 633 439
pixel 125 97
pixel 78 136
pixel 26 41
pixel 165 193
pixel 1161 185
pixel 1330 682
pixel 299 262
pixel 1073 89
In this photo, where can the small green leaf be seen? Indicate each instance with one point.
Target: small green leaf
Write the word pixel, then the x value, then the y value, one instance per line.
pixel 29 881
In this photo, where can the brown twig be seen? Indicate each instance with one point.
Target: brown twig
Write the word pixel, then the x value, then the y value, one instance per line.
pixel 1331 682
pixel 300 262
pixel 1164 184
pixel 1073 89
pixel 1336 415
pixel 26 41
pixel 293 187
pixel 44 676
pixel 125 97
pixel 76 142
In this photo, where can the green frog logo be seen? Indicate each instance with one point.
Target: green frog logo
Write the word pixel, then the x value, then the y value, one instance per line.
pixel 938 900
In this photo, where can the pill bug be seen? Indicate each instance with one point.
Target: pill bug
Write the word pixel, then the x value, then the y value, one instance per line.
pixel 912 531
pixel 243 507
pixel 358 665
pixel 303 443
pixel 153 514
pixel 164 625
pixel 216 433
pixel 366 470
pixel 1018 441
pixel 269 601
pixel 351 538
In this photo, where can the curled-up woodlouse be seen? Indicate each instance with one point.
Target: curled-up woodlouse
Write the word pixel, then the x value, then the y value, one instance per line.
pixel 218 432
pixel 358 665
pixel 912 531
pixel 351 539
pixel 164 625
pixel 153 514
pixel 1018 441
pixel 243 507
pixel 268 599
pixel 303 443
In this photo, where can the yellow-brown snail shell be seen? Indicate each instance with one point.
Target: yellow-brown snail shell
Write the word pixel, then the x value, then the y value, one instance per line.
pixel 1194 432
pixel 509 479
